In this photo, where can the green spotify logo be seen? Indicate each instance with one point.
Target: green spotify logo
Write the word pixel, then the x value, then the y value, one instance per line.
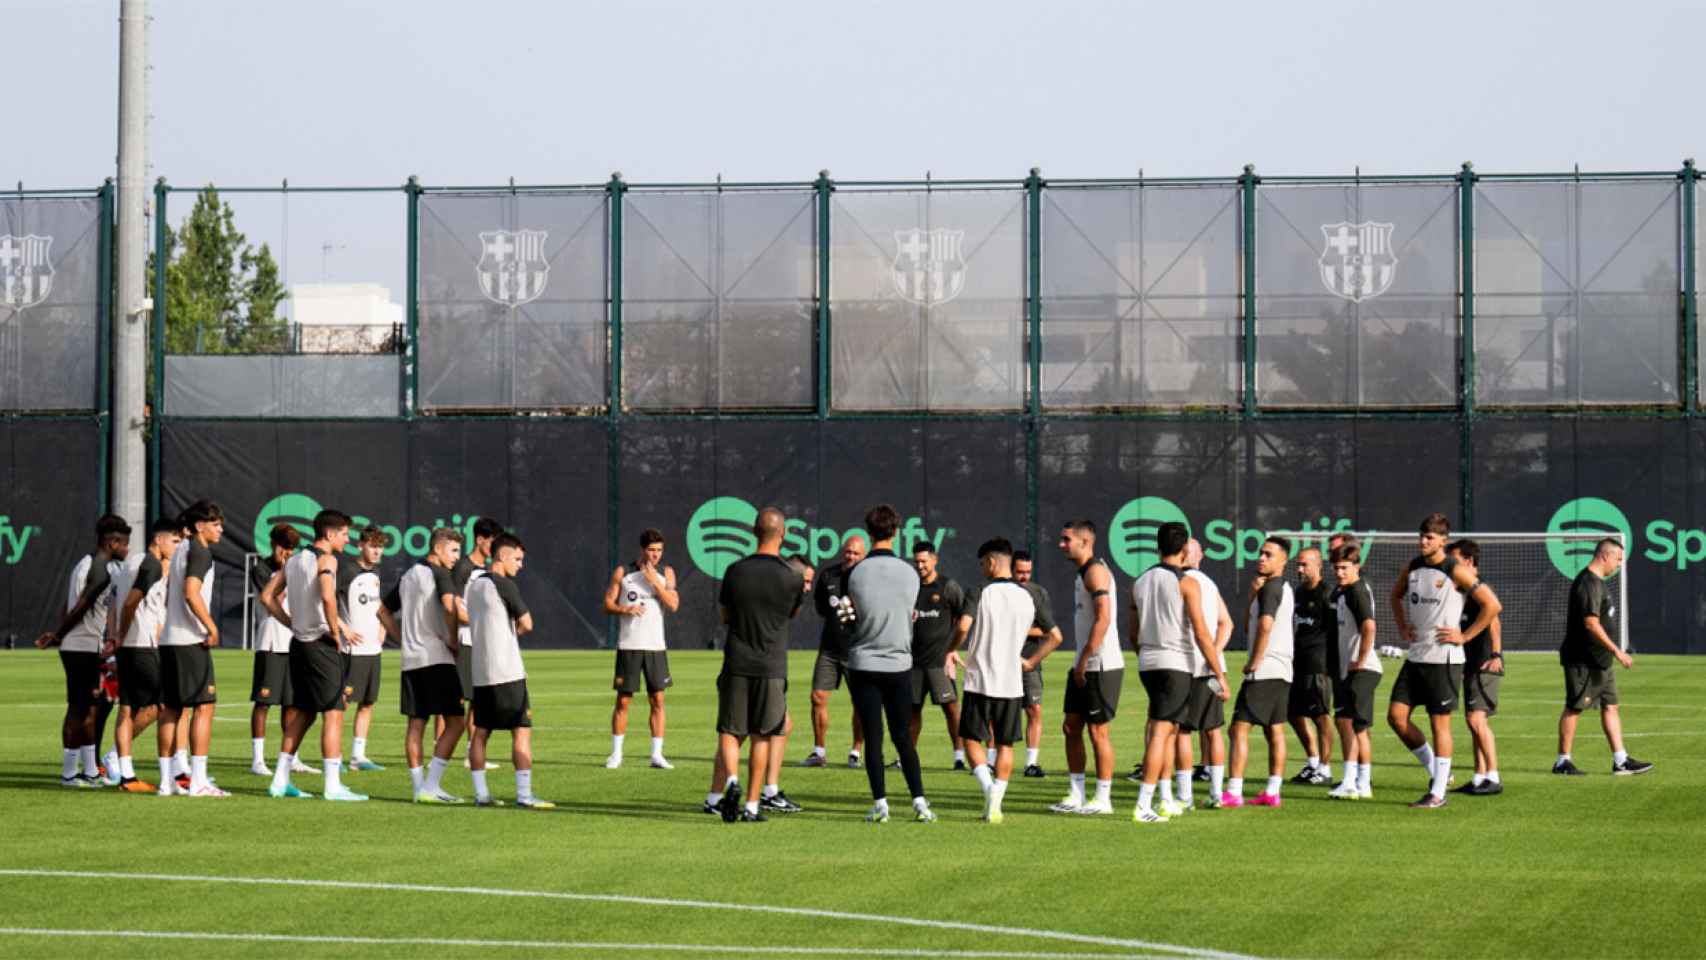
pixel 719 533
pixel 298 510
pixel 1131 535
pixel 1585 515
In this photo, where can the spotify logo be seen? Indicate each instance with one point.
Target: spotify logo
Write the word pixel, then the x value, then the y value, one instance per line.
pixel 719 533
pixel 1595 519
pixel 1131 535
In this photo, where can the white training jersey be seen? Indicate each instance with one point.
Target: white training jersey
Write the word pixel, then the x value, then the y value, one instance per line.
pixel 418 603
pixel 1108 655
pixel 1165 638
pixel 182 628
pixel 361 612
pixel 1432 601
pixel 644 632
pixel 1213 611
pixel 1006 611
pixel 141 572
pixel 88 633
pixel 494 604
pixel 302 594
pixel 1355 605
pixel 1273 600
pixel 271 635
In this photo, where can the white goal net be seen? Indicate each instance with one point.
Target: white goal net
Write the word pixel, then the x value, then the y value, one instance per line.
pixel 1530 572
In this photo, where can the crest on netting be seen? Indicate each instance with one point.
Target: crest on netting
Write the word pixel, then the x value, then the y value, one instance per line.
pixel 26 273
pixel 1357 261
pixel 513 268
pixel 929 266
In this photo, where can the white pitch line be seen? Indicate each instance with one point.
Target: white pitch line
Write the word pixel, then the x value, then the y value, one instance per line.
pixel 1084 938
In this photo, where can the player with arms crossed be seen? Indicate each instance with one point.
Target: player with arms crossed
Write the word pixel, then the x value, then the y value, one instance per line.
pixel 138 613
pixel 270 685
pixel 424 605
pixel 1205 713
pixel 1265 694
pixel 1093 687
pixel 1311 688
pixel 498 619
pixel 80 637
pixel 639 596
pixel 186 656
pixel 1587 655
pixel 1359 670
pixel 1483 671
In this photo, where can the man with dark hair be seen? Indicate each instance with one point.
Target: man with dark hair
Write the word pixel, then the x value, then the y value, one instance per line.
pixel 879 595
pixel 424 605
pixel 1205 714
pixel 1006 613
pixel 1032 680
pixel 80 638
pixel 758 598
pixel 498 619
pixel 360 604
pixel 186 658
pixel 135 620
pixel 1483 670
pixel 486 529
pixel 830 667
pixel 1093 686
pixel 1428 603
pixel 1310 710
pixel 1587 655
pixel 1170 633
pixel 312 581
pixel 1266 690
pixel 942 618
pixel 638 596
pixel 271 681
pixel 1357 670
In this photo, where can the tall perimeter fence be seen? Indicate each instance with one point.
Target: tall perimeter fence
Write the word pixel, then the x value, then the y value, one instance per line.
pixel 1520 351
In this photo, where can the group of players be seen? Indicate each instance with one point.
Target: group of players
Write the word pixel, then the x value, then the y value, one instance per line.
pixel 896 631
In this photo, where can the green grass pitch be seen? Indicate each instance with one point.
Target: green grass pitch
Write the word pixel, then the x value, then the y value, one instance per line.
pixel 1590 867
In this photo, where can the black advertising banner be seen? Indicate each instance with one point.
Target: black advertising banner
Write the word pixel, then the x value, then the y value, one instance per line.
pixel 50 493
pixel 545 480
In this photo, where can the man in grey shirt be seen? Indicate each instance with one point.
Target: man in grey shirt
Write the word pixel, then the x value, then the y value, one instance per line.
pixel 883 590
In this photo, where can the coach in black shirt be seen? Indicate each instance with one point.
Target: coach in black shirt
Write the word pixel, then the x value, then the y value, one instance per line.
pixel 1588 654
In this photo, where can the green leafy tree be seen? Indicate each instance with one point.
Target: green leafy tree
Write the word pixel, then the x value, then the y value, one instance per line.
pixel 222 293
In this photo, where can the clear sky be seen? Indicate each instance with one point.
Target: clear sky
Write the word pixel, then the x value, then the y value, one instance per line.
pixel 368 92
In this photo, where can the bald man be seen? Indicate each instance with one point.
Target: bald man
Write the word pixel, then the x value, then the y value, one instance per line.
pixel 830 668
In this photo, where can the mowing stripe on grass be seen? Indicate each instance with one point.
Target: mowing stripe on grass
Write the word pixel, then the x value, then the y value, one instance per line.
pixel 1144 945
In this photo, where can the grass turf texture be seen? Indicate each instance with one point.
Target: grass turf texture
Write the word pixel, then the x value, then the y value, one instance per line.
pixel 1555 867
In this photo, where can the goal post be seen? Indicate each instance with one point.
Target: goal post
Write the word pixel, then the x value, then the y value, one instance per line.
pixel 251 600
pixel 1530 572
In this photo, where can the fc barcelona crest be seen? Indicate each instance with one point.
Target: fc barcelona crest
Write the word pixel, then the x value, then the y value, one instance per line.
pixel 1357 262
pixel 26 273
pixel 513 269
pixel 929 267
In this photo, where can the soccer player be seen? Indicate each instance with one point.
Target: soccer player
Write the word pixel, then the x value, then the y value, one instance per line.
pixel 1265 693
pixel 942 618
pixel 1587 655
pixel 1427 602
pixel 499 619
pixel 485 530
pixel 359 603
pixel 1205 715
pixel 1171 635
pixel 271 686
pixel 830 667
pixel 1005 614
pixel 186 659
pixel 1032 679
pixel 1483 670
pixel 883 589
pixel 138 614
pixel 424 603
pixel 313 580
pixel 639 596
pixel 1358 670
pixel 1093 686
pixel 758 597
pixel 80 637
pixel 1311 688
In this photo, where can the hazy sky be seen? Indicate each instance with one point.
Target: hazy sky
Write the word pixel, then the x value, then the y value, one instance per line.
pixel 368 92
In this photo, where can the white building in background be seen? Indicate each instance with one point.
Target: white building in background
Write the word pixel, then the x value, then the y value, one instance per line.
pixel 344 317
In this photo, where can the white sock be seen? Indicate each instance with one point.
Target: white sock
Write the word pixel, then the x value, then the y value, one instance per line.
pixel 1326 770
pixel 1425 754
pixel 435 773
pixel 110 761
pixel 853 753
pixel 1351 773
pixel 983 776
pixel 1104 792
pixel 752 807
pixel 69 770
pixel 769 790
pixel 417 779
pixel 333 766
pixel 92 769
pixel 1146 797
pixel 1364 771
pixel 1273 787
pixel 1031 754
pixel 881 806
pixel 165 770
pixel 1493 776
pixel 257 750
pixel 657 746
pixel 181 763
pixel 1312 763
pixel 1235 786
pixel 480 791
pixel 198 772
pixel 959 756
pixel 733 781
pixel 997 790
pixel 281 772
pixel 616 743
pixel 1478 779
pixel 713 798
pixel 1182 786
pixel 817 751
pixel 1562 758
pixel 524 784
pixel 1077 785
pixel 1166 791
pixel 360 749
pixel 1442 776
pixel 126 768
pixel 920 804
pixel 1216 779
pixel 1618 756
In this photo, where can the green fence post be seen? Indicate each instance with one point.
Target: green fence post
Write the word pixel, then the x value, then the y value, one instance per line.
pixel 1034 352
pixel 614 192
pixel 1247 184
pixel 1690 306
pixel 824 187
pixel 1466 345
pixel 411 378
pixel 103 362
pixel 157 411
